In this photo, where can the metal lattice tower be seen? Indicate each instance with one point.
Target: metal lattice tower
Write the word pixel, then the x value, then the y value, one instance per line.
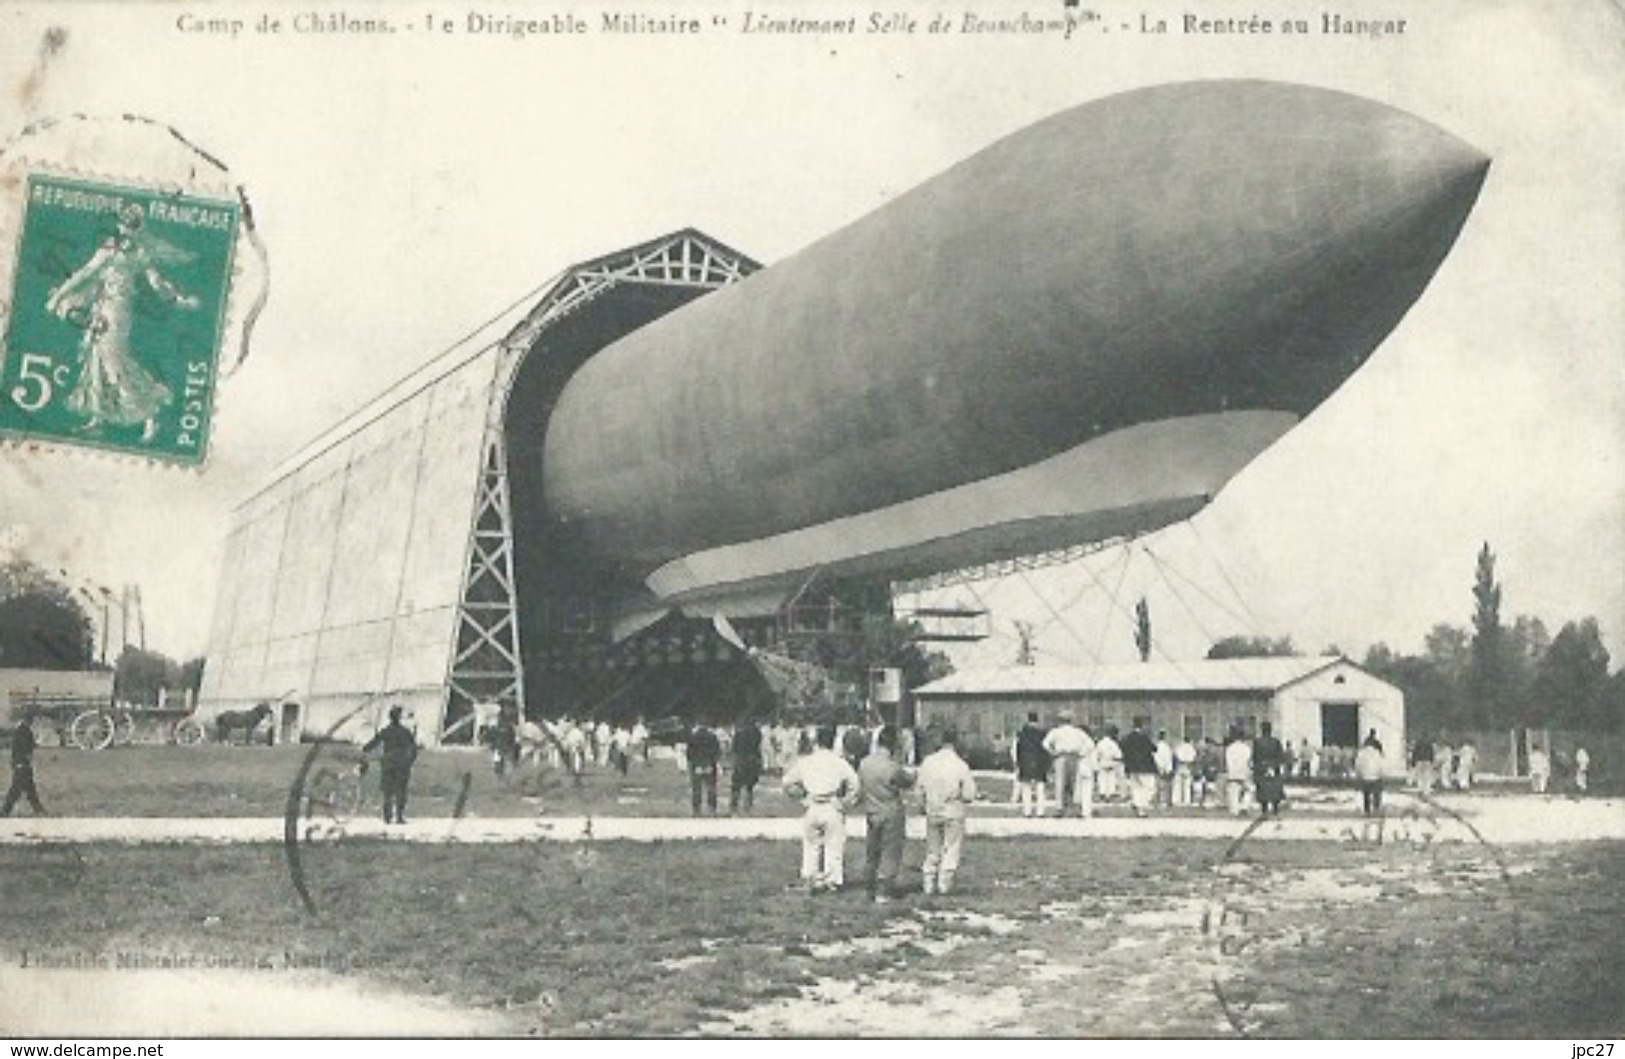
pixel 486 663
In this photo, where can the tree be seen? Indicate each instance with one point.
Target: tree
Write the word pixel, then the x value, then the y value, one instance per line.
pixel 192 676
pixel 1527 642
pixel 1571 685
pixel 1142 629
pixel 1432 698
pixel 1252 647
pixel 1487 675
pixel 138 675
pixel 1025 631
pixel 42 625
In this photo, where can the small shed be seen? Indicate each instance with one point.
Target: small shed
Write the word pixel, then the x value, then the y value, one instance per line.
pixel 1324 700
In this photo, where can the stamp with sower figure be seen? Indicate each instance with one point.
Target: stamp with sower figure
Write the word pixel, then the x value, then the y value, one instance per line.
pixel 117 316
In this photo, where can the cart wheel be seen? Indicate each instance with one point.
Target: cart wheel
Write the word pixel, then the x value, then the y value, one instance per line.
pixel 188 732
pixel 93 730
pixel 123 728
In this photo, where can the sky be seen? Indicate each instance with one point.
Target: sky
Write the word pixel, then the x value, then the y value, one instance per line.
pixel 407 188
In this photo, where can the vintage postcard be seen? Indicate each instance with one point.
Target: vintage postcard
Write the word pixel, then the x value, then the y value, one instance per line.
pixel 937 518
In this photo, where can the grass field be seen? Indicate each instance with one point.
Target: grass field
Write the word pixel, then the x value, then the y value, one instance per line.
pixel 254 781
pixel 1151 937
pixel 222 781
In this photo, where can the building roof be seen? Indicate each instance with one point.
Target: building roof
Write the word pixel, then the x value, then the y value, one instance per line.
pixel 1226 674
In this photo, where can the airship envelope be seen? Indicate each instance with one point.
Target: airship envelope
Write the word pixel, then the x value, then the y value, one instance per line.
pixel 1083 331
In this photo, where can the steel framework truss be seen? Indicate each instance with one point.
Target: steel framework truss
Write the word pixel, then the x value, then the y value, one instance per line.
pixel 486 664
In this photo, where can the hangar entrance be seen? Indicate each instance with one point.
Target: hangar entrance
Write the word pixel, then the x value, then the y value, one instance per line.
pixel 1340 724
pixel 534 621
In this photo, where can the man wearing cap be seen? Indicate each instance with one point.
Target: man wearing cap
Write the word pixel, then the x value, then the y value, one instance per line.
pixel 398 750
pixel 22 766
pixel 826 786
pixel 1073 755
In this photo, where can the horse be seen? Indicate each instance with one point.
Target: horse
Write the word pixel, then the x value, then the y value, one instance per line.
pixel 246 720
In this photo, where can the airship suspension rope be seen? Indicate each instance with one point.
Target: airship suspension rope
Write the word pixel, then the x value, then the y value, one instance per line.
pixel 1246 619
pixel 1064 608
pixel 1122 575
pixel 1158 565
pixel 1055 614
pixel 1155 645
pixel 1213 555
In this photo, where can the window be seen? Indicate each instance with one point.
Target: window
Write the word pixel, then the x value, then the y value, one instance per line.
pixel 1193 728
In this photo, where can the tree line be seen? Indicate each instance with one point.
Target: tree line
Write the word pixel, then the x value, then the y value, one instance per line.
pixel 1491 674
pixel 43 625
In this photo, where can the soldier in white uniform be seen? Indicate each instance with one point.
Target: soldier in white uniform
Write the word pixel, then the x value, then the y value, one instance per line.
pixel 826 786
pixel 1073 755
pixel 948 788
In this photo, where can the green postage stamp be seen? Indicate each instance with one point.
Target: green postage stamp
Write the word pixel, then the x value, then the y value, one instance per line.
pixel 117 312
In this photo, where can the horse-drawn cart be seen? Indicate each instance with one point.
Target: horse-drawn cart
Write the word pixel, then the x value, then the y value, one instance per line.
pixel 128 724
pixel 94 724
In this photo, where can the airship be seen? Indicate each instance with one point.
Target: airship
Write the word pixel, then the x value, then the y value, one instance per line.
pixel 1083 331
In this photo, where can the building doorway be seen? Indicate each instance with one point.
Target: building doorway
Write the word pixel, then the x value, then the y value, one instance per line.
pixel 1339 724
pixel 288 726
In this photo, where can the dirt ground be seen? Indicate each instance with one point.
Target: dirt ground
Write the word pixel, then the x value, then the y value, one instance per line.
pixel 1048 936
pixel 159 901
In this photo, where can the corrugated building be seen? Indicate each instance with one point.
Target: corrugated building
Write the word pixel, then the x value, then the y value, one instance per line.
pixel 1326 700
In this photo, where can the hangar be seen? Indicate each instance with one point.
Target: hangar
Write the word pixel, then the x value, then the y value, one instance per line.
pixel 381 559
pixel 1326 700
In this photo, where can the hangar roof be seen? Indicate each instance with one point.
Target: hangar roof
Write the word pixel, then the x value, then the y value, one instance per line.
pixel 1206 675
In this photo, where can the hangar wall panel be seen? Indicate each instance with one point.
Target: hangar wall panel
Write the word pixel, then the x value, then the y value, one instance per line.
pixel 307 557
pixel 343 577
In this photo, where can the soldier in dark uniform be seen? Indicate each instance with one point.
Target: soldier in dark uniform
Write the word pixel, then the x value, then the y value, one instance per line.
pixel 22 766
pixel 398 750
pixel 704 753
pixel 747 772
pixel 1269 770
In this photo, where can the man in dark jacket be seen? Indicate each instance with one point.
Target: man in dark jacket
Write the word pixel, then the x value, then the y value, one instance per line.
pixel 1032 767
pixel 398 750
pixel 1140 765
pixel 1269 770
pixel 22 767
pixel 747 772
pixel 704 753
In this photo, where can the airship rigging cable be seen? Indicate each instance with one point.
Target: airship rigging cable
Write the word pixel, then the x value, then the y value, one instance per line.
pixel 1163 567
pixel 1064 608
pixel 1213 555
pixel 1122 575
pixel 1155 645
